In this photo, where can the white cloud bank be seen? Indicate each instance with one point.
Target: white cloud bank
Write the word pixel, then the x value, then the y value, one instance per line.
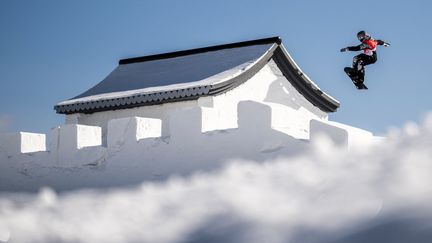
pixel 329 195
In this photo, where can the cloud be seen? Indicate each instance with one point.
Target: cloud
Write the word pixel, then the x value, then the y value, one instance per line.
pixel 5 122
pixel 326 195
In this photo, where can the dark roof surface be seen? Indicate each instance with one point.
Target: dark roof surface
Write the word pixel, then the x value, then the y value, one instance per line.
pixel 176 70
pixel 190 74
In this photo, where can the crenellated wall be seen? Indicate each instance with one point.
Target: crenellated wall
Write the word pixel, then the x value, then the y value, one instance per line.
pixel 137 148
pixel 186 128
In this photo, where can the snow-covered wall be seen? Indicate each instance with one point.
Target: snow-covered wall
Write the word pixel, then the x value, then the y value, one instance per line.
pixel 22 142
pixel 138 150
pixel 291 112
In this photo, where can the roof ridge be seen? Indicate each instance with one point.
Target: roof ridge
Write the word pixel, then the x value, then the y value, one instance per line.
pixel 275 39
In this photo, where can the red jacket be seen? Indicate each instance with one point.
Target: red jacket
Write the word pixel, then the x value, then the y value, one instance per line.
pixel 369 46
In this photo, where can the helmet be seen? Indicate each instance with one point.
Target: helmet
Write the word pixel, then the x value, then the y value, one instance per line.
pixel 362 35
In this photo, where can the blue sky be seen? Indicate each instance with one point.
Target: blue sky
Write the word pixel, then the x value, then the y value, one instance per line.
pixel 53 50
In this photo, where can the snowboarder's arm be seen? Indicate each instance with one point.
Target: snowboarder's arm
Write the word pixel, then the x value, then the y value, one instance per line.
pixel 355 48
pixel 383 43
pixel 352 48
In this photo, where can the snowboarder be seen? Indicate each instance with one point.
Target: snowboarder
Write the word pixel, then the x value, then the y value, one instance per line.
pixel 369 56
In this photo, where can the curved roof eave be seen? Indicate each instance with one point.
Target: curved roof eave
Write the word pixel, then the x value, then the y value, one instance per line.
pixel 302 82
pixel 284 61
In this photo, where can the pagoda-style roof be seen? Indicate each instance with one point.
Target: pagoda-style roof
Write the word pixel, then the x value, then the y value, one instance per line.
pixel 190 74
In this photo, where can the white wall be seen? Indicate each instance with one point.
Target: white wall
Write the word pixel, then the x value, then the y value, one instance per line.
pixel 123 131
pixel 75 145
pixel 155 111
pixel 291 111
pixel 343 135
pixel 22 142
pixel 137 151
pixel 134 155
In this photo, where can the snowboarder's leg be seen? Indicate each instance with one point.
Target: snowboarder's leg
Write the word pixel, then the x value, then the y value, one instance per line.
pixel 359 62
pixel 361 75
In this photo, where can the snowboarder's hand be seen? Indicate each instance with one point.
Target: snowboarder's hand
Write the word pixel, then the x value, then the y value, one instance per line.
pixel 344 49
pixel 386 44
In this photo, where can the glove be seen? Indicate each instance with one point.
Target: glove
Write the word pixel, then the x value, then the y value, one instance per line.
pixel 344 49
pixel 386 44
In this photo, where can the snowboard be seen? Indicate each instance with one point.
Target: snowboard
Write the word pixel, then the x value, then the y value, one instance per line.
pixel 352 74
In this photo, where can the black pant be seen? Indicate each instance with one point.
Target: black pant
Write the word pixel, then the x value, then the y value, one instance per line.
pixel 362 60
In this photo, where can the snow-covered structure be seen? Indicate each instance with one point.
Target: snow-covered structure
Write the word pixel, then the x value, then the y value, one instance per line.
pixel 178 112
pixel 214 79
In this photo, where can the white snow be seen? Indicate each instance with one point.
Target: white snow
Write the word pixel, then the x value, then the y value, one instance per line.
pixel 325 194
pixel 22 142
pixel 67 143
pixel 75 136
pixel 132 129
pixel 186 149
pixel 343 134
